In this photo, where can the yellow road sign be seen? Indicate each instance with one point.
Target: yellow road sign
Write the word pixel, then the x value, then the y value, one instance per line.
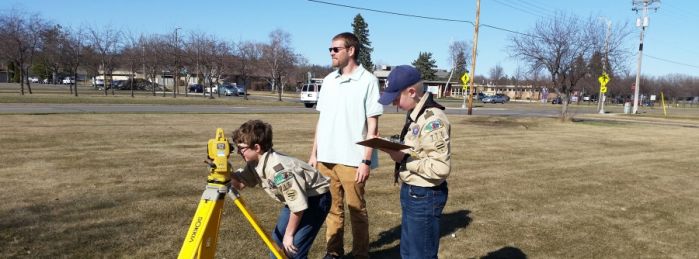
pixel 603 79
pixel 464 78
pixel 603 89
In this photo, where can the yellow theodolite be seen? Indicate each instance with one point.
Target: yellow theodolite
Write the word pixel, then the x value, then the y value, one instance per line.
pixel 202 236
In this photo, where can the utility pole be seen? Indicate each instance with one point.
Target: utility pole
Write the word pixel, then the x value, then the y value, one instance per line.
pixel 176 75
pixel 601 98
pixel 473 57
pixel 642 22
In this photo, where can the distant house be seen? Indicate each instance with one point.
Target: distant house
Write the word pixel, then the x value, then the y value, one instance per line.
pixel 443 87
pixel 5 73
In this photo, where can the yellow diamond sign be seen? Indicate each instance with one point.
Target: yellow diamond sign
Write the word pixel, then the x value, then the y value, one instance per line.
pixel 603 79
pixel 464 80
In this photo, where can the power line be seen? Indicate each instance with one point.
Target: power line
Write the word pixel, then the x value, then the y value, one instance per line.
pixel 539 6
pixel 423 17
pixel 518 8
pixel 671 61
pixel 470 22
pixel 394 13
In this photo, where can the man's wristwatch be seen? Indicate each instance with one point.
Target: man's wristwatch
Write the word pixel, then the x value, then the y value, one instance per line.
pixel 366 162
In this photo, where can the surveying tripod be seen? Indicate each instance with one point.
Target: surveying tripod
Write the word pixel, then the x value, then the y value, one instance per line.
pixel 202 236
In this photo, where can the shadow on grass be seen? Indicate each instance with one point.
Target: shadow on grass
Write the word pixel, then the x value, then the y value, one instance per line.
pixel 450 223
pixel 507 252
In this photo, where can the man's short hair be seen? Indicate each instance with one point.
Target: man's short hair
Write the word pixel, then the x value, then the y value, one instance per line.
pixel 350 41
pixel 254 132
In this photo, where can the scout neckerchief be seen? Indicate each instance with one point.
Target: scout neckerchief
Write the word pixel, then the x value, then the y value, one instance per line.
pixel 429 103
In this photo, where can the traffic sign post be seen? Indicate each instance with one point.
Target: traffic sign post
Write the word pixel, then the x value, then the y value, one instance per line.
pixel 603 81
pixel 464 83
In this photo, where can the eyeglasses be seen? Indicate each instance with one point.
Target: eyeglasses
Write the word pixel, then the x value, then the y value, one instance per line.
pixel 335 49
pixel 242 149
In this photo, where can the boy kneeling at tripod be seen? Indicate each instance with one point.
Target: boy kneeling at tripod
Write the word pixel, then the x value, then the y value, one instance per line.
pixel 288 180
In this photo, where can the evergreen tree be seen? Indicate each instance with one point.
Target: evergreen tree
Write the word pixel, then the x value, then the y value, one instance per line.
pixel 361 30
pixel 426 64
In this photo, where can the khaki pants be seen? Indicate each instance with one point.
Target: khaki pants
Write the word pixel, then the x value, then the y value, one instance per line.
pixel 344 188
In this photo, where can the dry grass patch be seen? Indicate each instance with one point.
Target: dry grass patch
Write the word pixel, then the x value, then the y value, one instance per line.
pixel 127 185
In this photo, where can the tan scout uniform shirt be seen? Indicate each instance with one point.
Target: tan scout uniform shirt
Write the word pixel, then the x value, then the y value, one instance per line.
pixel 429 163
pixel 285 179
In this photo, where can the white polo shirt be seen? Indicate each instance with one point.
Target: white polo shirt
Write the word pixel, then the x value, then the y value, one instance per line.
pixel 345 102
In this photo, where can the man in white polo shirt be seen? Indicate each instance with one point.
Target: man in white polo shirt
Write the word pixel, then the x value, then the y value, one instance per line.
pixel 349 112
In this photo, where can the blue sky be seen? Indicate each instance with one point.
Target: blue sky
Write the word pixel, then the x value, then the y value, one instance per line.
pixel 672 34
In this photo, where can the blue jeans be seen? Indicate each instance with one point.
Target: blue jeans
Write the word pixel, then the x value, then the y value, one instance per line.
pixel 422 209
pixel 311 221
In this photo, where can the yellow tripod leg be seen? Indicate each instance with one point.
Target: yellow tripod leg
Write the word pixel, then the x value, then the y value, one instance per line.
pixel 253 222
pixel 202 236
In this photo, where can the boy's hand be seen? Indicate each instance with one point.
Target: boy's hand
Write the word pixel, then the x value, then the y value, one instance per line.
pixel 396 155
pixel 289 245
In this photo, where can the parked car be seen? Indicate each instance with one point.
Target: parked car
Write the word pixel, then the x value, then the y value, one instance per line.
pixel 507 98
pixel 68 81
pixel 229 90
pixel 196 88
pixel 33 79
pixel 98 83
pixel 479 96
pixel 309 94
pixel 240 89
pixel 494 99
pixel 556 100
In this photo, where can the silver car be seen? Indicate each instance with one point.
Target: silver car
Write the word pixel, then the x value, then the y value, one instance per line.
pixel 494 99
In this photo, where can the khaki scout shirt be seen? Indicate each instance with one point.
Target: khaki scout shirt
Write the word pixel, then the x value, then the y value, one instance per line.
pixel 429 163
pixel 285 179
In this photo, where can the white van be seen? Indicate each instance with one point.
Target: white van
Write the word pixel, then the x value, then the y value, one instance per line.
pixel 309 94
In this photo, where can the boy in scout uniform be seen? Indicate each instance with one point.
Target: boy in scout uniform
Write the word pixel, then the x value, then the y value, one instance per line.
pixel 422 169
pixel 297 185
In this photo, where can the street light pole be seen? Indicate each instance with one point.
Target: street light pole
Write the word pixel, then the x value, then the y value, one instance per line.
pixel 177 68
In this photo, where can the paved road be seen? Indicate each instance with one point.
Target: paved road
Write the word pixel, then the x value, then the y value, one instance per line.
pixel 41 108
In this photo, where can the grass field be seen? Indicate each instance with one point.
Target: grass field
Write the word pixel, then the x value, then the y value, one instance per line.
pixel 127 185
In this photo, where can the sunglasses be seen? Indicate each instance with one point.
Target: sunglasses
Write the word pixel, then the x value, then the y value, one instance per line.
pixel 335 49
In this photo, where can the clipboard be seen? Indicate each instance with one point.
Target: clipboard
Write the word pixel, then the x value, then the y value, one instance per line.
pixel 381 143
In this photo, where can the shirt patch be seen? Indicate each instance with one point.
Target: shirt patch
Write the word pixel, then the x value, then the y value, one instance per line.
pixel 281 177
pixel 291 194
pixel 278 167
pixel 441 146
pixel 416 130
pixel 433 126
pixel 428 114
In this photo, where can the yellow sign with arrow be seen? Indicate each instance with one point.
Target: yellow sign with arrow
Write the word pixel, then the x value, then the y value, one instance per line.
pixel 603 80
pixel 464 81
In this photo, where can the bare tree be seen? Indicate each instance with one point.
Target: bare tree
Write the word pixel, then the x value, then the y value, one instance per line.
pixel 71 53
pixel 459 58
pixel 50 57
pixel 132 55
pixel 553 45
pixel 20 42
pixel 151 47
pixel 211 57
pixel 106 43
pixel 563 46
pixel 279 58
pixel 496 74
pixel 249 54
